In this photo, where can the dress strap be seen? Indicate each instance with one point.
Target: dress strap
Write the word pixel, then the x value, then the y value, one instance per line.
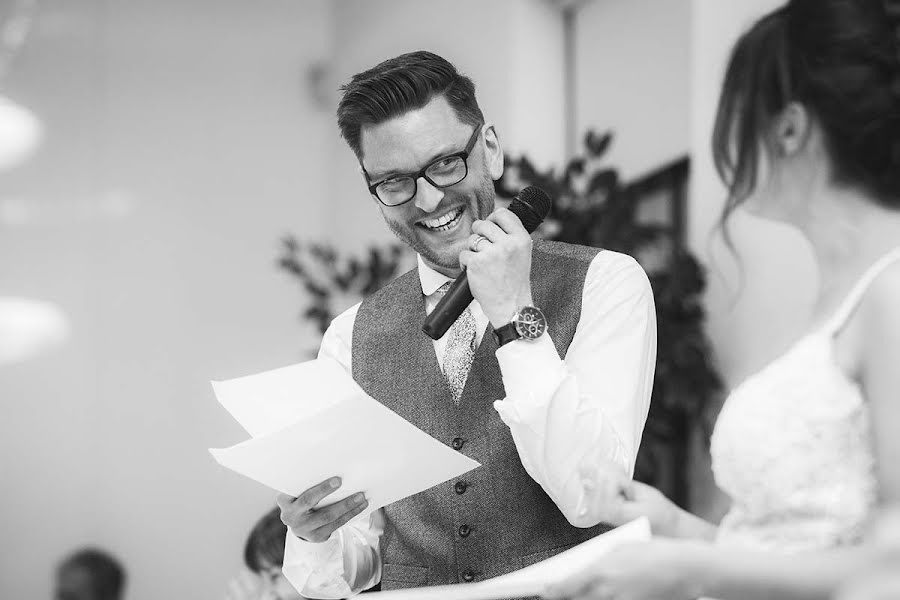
pixel 845 310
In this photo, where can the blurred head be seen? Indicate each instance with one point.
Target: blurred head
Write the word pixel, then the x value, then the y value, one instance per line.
pixel 264 555
pixel 811 98
pixel 90 574
pixel 427 155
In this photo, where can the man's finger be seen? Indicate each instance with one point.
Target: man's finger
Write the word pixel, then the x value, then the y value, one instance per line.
pixel 326 515
pixel 326 531
pixel 284 500
pixel 489 229
pixel 311 497
pixel 507 221
pixel 465 257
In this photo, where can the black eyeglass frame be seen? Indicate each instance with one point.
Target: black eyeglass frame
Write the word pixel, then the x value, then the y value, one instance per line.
pixel 464 154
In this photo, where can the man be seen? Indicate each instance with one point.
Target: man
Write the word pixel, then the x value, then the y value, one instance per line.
pixel 552 435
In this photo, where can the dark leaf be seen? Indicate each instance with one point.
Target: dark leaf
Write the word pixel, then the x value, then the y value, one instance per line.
pixel 597 145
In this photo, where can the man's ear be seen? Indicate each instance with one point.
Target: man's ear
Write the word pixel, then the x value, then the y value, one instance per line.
pixel 365 180
pixel 791 129
pixel 493 151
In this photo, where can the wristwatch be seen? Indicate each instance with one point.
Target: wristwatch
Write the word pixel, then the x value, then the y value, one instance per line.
pixel 529 323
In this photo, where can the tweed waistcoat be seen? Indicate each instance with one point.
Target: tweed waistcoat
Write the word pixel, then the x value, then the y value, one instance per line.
pixel 494 519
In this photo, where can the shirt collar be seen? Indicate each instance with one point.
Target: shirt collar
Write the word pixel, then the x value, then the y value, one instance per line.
pixel 430 279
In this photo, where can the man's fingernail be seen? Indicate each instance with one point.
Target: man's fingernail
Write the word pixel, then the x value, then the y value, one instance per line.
pixel 334 483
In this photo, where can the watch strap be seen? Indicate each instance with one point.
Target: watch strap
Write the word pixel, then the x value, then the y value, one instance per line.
pixel 506 334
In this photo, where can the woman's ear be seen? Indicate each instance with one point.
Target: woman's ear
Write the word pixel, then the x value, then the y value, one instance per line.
pixel 791 129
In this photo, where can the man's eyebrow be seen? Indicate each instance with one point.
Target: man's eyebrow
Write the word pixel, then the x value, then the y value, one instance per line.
pixel 447 150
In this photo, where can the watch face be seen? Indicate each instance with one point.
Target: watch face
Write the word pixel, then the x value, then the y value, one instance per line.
pixel 531 323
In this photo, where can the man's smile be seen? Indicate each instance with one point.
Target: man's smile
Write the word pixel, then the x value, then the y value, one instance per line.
pixel 445 222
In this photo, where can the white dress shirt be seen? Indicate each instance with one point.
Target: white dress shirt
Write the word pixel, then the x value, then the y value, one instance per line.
pixel 576 423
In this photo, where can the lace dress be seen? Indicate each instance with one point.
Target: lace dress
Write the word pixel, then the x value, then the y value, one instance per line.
pixel 792 446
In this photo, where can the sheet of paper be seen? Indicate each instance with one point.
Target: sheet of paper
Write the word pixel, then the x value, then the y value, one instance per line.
pixel 312 421
pixel 530 581
pixel 268 401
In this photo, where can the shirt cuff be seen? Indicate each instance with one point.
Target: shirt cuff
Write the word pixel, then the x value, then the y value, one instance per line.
pixel 316 570
pixel 531 371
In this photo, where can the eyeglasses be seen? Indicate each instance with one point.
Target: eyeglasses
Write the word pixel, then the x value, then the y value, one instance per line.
pixel 444 172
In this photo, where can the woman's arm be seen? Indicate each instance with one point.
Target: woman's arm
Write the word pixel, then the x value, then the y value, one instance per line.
pixel 667 519
pixel 733 574
pixel 686 569
pixel 880 377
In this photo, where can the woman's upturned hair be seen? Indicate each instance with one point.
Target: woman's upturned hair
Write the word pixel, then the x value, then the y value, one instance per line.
pixel 840 59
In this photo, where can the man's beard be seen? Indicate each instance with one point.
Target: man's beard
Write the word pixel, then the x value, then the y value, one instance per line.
pixel 484 205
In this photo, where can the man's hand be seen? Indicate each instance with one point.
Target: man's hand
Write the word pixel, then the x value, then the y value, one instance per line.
pixel 317 524
pixel 499 272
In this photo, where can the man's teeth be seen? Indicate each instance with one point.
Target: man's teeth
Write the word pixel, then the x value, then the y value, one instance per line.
pixel 444 222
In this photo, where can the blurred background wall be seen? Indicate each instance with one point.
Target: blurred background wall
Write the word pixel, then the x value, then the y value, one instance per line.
pixel 180 143
pixel 183 139
pixel 633 76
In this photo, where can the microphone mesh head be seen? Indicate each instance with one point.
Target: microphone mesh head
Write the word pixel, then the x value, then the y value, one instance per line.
pixel 531 206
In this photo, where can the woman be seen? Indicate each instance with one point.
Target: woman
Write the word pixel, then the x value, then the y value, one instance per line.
pixel 807 133
pixel 880 579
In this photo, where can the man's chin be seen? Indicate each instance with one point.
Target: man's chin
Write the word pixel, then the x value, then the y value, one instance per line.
pixel 447 265
pixel 443 262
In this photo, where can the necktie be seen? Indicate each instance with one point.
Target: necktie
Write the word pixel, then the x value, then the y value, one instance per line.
pixel 460 350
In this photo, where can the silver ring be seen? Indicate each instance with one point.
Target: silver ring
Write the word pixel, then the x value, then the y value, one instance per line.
pixel 474 245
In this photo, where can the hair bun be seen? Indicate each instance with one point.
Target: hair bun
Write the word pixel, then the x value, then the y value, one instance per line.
pixel 892 9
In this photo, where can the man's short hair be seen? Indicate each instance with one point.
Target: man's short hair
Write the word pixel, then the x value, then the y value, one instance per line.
pixel 106 574
pixel 399 85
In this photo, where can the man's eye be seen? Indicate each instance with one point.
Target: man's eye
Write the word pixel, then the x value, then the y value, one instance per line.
pixel 395 184
pixel 445 164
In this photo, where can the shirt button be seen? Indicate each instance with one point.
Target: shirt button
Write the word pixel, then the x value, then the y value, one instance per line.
pixel 460 487
pixel 468 576
pixel 464 531
pixel 457 443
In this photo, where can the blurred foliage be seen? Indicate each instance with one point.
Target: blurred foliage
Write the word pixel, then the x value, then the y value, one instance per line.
pixel 334 283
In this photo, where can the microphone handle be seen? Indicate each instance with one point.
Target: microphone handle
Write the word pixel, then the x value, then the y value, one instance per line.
pixel 454 302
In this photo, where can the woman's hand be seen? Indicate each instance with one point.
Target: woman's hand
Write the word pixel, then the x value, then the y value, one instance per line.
pixel 638 499
pixel 654 570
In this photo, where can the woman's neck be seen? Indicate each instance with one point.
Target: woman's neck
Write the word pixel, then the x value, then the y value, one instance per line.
pixel 848 232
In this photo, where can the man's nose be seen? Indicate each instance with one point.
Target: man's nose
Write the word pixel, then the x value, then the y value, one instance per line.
pixel 427 196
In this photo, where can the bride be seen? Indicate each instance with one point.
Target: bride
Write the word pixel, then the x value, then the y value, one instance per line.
pixel 807 133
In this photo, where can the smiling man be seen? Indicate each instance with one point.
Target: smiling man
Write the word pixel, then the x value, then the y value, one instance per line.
pixel 553 411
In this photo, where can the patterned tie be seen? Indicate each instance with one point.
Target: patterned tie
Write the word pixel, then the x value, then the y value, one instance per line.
pixel 460 350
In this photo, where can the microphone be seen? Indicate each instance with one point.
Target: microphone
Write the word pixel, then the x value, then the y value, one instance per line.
pixel 531 207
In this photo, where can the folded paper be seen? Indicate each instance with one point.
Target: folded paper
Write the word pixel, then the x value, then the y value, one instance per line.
pixel 311 421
